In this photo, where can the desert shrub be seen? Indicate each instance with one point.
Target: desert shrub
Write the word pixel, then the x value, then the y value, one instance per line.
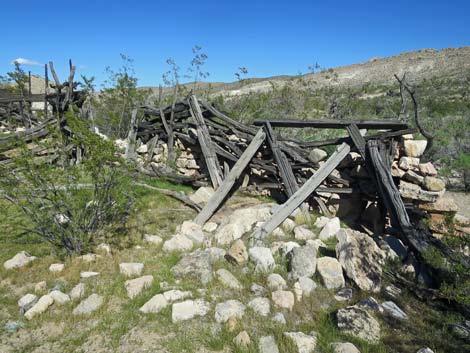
pixel 70 206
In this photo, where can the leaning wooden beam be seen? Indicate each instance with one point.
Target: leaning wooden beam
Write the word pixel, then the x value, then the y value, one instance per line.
pixel 217 199
pixel 131 136
pixel 205 141
pixel 285 170
pixel 335 124
pixel 303 193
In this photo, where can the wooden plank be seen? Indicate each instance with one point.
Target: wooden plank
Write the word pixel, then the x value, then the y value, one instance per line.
pixel 218 198
pixel 131 136
pixel 205 142
pixel 335 124
pixel 303 193
pixel 285 170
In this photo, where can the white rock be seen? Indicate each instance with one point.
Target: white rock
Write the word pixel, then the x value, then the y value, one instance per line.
pixel 228 309
pixel 210 227
pixel 321 221
pixel 262 258
pixel 260 306
pixel 178 243
pixel 288 225
pixel 153 239
pixel 303 342
pixel 279 318
pixel 316 243
pixel 283 299
pixel 41 306
pixel 228 279
pixel 61 219
pixel 317 155
pixel 267 344
pixel 27 301
pixel 202 195
pixel 189 309
pixel 154 305
pixel 131 269
pixel 19 260
pixel 59 297
pixel 88 274
pixel 242 339
pixel 304 287
pixel 303 233
pixel 276 282
pixel 142 149
pixel 175 295
pixel 89 257
pixel 192 231
pixel 330 272
pixel 78 291
pixel 406 163
pixel 135 286
pixel 40 287
pixel 89 305
pixel 344 347
pixel 226 234
pixel 287 247
pixel 415 148
pixel 330 229
pixel 105 248
pixel 56 268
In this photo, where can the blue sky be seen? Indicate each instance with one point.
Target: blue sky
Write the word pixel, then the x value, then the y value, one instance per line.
pixel 267 37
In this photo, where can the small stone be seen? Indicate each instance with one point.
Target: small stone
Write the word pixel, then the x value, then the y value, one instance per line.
pixel 131 269
pixel 304 287
pixel 153 239
pixel 344 347
pixel 303 233
pixel 321 221
pixel 262 258
pixel 257 290
pixel 156 304
pixel 330 272
pixel 202 195
pixel 192 231
pixel 415 148
pixel 175 295
pixel 391 309
pixel 392 291
pixel 40 287
pixel 26 302
pixel 275 282
pixel 358 322
pixel 178 243
pixel 142 149
pixel 228 279
pixel 89 305
pixel 228 233
pixel 135 286
pixel 260 306
pixel 278 233
pixel 88 274
pixel 425 350
pixel 317 155
pixel 279 318
pixel 78 291
pixel 344 294
pixel 433 184
pixel 287 247
pixel 196 264
pixel 370 303
pixel 228 309
pixel 210 227
pixel 407 163
pixel 283 299
pixel 427 169
pixel 288 225
pixel 189 309
pixel 89 257
pixel 267 344
pixel 316 243
pixel 330 229
pixel 302 262
pixel 237 253
pixel 19 260
pixel 56 268
pixel 303 342
pixel 59 297
pixel 232 324
pixel 242 339
pixel 13 326
pixel 41 306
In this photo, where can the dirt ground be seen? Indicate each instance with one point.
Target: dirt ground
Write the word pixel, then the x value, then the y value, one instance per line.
pixel 463 201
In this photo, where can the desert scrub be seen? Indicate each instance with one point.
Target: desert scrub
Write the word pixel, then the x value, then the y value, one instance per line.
pixel 69 205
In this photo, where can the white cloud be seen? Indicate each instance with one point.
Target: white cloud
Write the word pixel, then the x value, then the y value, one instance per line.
pixel 23 61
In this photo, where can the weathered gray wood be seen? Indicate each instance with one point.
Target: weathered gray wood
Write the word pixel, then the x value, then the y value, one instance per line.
pixel 205 142
pixel 151 148
pixel 131 136
pixel 217 199
pixel 336 124
pixel 303 193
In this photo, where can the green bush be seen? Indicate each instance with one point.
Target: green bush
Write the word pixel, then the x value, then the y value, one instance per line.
pixel 70 206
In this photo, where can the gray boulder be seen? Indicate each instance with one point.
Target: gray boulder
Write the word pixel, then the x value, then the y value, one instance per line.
pixel 196 264
pixel 262 258
pixel 89 305
pixel 302 262
pixel 356 321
